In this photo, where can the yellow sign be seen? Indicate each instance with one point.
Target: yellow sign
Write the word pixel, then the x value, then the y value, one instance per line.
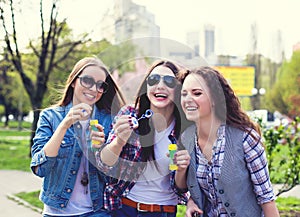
pixel 240 78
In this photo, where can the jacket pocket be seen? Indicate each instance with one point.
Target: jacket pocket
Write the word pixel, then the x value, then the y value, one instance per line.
pixel 66 147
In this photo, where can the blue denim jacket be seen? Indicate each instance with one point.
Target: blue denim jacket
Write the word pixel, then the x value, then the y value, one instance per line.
pixel 60 172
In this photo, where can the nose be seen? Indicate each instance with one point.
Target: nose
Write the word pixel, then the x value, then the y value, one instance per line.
pixel 94 88
pixel 160 83
pixel 187 98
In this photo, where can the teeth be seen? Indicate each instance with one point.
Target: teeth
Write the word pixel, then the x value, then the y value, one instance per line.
pixel 191 108
pixel 89 95
pixel 160 95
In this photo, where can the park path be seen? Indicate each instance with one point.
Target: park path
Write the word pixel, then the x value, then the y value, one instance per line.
pixel 12 182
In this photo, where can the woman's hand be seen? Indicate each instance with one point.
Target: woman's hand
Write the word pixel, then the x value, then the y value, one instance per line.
pixel 97 136
pixel 192 209
pixel 123 129
pixel 182 159
pixel 78 112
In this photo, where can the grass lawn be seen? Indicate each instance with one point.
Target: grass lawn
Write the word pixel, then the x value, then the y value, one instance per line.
pixel 14 155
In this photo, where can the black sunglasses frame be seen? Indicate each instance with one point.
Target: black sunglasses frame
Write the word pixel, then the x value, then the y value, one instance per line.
pixel 101 86
pixel 169 81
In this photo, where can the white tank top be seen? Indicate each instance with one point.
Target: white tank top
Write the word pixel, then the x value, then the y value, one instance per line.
pixel 153 185
pixel 79 202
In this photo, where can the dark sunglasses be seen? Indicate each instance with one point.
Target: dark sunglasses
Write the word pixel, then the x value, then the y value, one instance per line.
pixel 169 80
pixel 88 82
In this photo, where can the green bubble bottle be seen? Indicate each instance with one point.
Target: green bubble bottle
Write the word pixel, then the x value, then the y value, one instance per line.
pixel 93 124
pixel 172 151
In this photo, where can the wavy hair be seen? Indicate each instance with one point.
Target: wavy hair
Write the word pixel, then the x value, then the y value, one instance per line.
pixel 227 105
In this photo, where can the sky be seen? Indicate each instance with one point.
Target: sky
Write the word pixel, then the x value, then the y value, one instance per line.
pixel 232 20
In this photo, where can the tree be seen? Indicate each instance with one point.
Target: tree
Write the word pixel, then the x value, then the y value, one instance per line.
pixel 45 52
pixel 4 80
pixel 120 57
pixel 285 94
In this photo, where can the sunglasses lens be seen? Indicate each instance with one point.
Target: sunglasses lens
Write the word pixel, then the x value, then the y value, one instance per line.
pixel 87 82
pixel 170 81
pixel 153 79
pixel 102 86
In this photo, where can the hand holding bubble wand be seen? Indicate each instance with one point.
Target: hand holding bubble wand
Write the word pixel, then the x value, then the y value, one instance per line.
pixel 135 122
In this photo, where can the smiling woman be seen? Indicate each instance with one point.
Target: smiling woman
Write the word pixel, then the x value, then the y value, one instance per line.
pixel 222 138
pixel 138 152
pixel 62 152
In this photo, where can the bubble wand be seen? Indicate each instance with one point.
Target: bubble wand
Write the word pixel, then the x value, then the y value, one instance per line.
pixel 135 122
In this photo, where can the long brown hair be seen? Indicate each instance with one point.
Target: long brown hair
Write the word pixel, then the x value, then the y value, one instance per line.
pixel 142 103
pixel 227 105
pixel 111 101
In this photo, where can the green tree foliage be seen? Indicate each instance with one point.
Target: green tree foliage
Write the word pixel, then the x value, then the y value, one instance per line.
pixel 45 51
pixel 16 94
pixel 285 95
pixel 283 147
pixel 121 57
pixel 91 48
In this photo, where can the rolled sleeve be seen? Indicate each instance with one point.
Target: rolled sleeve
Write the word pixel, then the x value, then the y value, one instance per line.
pixel 182 194
pixel 258 167
pixel 43 163
pixel 101 165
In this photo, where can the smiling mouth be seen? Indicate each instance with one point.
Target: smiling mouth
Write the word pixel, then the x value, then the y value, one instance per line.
pixel 160 95
pixel 191 108
pixel 89 96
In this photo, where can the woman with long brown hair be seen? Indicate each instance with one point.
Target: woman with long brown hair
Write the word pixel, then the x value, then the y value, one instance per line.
pixel 228 173
pixel 62 154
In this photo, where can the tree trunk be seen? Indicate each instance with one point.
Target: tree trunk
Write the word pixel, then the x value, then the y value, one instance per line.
pixel 36 114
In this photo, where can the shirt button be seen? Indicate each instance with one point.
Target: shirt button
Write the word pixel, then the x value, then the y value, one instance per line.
pixel 63 142
pixel 73 172
pixel 221 191
pixel 232 214
pixel 69 190
pixel 62 205
pixel 227 204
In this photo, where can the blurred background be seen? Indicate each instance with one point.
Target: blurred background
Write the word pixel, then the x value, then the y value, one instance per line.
pixel 254 44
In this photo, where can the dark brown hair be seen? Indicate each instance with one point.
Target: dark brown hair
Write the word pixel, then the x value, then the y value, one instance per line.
pixel 227 105
pixel 142 103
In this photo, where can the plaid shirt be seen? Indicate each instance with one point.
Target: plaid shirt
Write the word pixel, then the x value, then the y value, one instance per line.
pixel 208 174
pixel 125 173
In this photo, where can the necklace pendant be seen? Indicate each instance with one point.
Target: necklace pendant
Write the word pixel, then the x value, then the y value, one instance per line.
pixel 84 179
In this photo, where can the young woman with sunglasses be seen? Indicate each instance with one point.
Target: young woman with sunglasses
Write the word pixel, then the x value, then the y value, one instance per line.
pixel 228 172
pixel 136 156
pixel 62 154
